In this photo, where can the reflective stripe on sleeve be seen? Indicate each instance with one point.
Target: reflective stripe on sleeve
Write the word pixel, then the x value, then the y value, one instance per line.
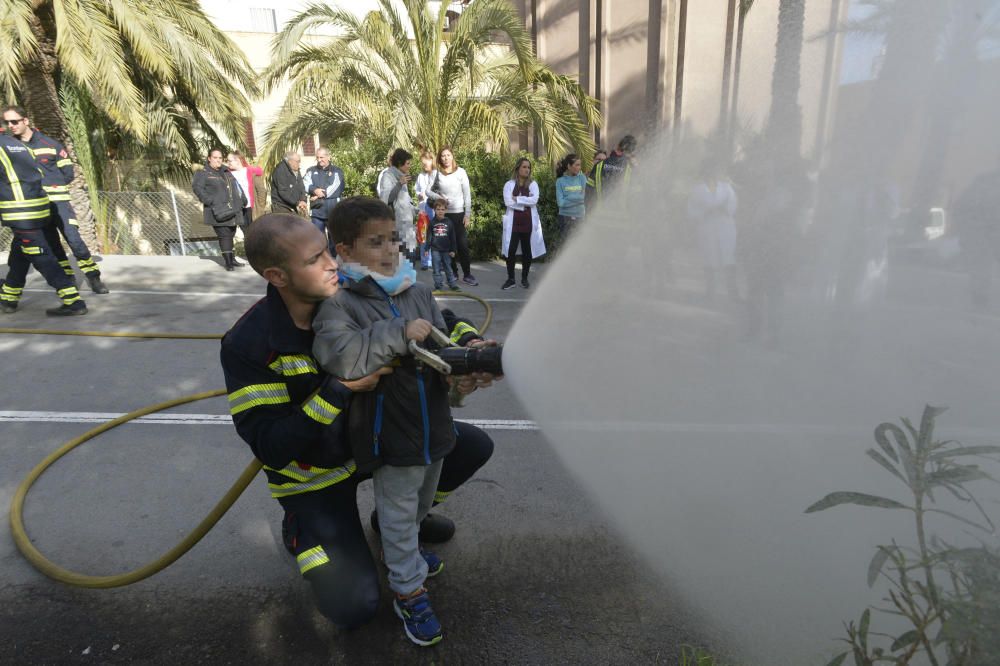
pixel 461 329
pixel 441 496
pixel 256 395
pixel 320 410
pixel 294 364
pixel 312 558
pixel 63 163
pixel 308 480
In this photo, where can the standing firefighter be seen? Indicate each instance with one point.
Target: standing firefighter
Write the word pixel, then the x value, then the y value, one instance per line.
pixel 24 208
pixel 57 174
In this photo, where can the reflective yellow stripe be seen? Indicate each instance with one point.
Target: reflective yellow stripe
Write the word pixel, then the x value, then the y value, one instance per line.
pixel 44 151
pixel 441 496
pixel 25 203
pixel 461 329
pixel 31 250
pixel 65 162
pixel 11 290
pixel 67 291
pixel 256 395
pixel 55 188
pixel 322 480
pixel 312 558
pixel 59 197
pixel 320 410
pixel 15 182
pixel 26 215
pixel 294 364
pixel 597 178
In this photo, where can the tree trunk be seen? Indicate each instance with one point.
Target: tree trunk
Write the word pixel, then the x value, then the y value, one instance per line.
pixel 784 126
pixel 727 68
pixel 41 99
pixel 737 67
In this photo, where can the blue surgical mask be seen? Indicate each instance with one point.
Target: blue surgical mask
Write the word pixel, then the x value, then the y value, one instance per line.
pixel 404 277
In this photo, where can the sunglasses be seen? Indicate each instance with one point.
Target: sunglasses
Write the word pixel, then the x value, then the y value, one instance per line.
pixel 16 121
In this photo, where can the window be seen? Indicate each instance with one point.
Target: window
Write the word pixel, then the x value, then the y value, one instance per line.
pixel 263 20
pixel 309 146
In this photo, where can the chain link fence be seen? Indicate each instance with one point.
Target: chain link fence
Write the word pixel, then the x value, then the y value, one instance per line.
pixel 165 223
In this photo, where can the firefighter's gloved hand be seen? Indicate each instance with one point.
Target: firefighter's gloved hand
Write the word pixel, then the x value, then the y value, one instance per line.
pixel 466 384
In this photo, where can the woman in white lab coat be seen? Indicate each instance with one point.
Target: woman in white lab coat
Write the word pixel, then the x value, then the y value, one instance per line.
pixel 521 223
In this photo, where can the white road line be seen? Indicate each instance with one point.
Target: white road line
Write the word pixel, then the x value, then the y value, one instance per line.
pixel 13 416
pixel 198 419
pixel 229 294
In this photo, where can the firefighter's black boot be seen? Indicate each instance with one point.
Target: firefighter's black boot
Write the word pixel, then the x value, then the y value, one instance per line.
pixel 228 258
pixel 96 285
pixel 78 308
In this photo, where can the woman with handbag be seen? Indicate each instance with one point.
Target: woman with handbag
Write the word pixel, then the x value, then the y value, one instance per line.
pixel 224 201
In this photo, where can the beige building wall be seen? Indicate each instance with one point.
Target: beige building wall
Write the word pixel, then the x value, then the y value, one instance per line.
pixel 625 53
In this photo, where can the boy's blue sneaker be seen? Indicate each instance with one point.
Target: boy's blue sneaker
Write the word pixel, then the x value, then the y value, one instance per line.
pixel 435 564
pixel 421 625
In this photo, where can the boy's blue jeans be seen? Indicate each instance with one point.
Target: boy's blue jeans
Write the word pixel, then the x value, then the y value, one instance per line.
pixel 442 262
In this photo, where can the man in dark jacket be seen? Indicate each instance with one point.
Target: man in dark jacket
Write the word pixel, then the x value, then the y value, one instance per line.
pixel 224 201
pixel 288 193
pixel 57 174
pixel 324 183
pixel 289 410
pixel 24 207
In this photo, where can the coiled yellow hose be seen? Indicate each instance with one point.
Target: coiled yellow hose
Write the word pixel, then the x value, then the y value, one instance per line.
pixel 54 571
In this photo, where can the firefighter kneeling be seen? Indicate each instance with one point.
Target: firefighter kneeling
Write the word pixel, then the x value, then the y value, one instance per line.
pixel 294 416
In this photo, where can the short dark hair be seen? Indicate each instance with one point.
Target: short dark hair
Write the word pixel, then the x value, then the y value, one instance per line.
pixel 439 203
pixel 222 153
pixel 399 157
pixel 349 217
pixel 19 110
pixel 628 143
pixel 264 243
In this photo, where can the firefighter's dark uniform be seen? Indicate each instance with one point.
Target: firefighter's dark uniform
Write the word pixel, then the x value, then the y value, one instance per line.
pixel 24 207
pixel 289 411
pixel 57 170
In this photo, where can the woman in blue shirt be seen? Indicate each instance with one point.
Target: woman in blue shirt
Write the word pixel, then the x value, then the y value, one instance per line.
pixel 571 186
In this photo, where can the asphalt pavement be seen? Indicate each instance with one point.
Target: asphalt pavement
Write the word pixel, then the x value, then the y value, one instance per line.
pixel 535 574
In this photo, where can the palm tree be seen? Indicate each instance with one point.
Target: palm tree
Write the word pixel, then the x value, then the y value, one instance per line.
pixel 404 80
pixel 784 126
pixel 744 9
pixel 149 72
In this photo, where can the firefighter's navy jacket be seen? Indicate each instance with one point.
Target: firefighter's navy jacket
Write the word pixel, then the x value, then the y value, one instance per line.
pixel 57 168
pixel 23 202
pixel 284 406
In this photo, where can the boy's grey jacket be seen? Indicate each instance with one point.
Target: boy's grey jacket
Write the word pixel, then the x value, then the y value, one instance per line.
pixel 406 420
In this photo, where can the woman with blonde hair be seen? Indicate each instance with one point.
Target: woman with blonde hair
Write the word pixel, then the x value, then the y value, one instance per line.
pixel 452 185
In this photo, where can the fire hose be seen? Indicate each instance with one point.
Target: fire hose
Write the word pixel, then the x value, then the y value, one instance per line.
pixel 54 571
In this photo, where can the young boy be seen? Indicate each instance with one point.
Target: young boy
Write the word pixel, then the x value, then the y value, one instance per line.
pixel 442 243
pixel 402 429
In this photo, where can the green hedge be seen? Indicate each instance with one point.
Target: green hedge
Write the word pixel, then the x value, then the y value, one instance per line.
pixel 487 174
